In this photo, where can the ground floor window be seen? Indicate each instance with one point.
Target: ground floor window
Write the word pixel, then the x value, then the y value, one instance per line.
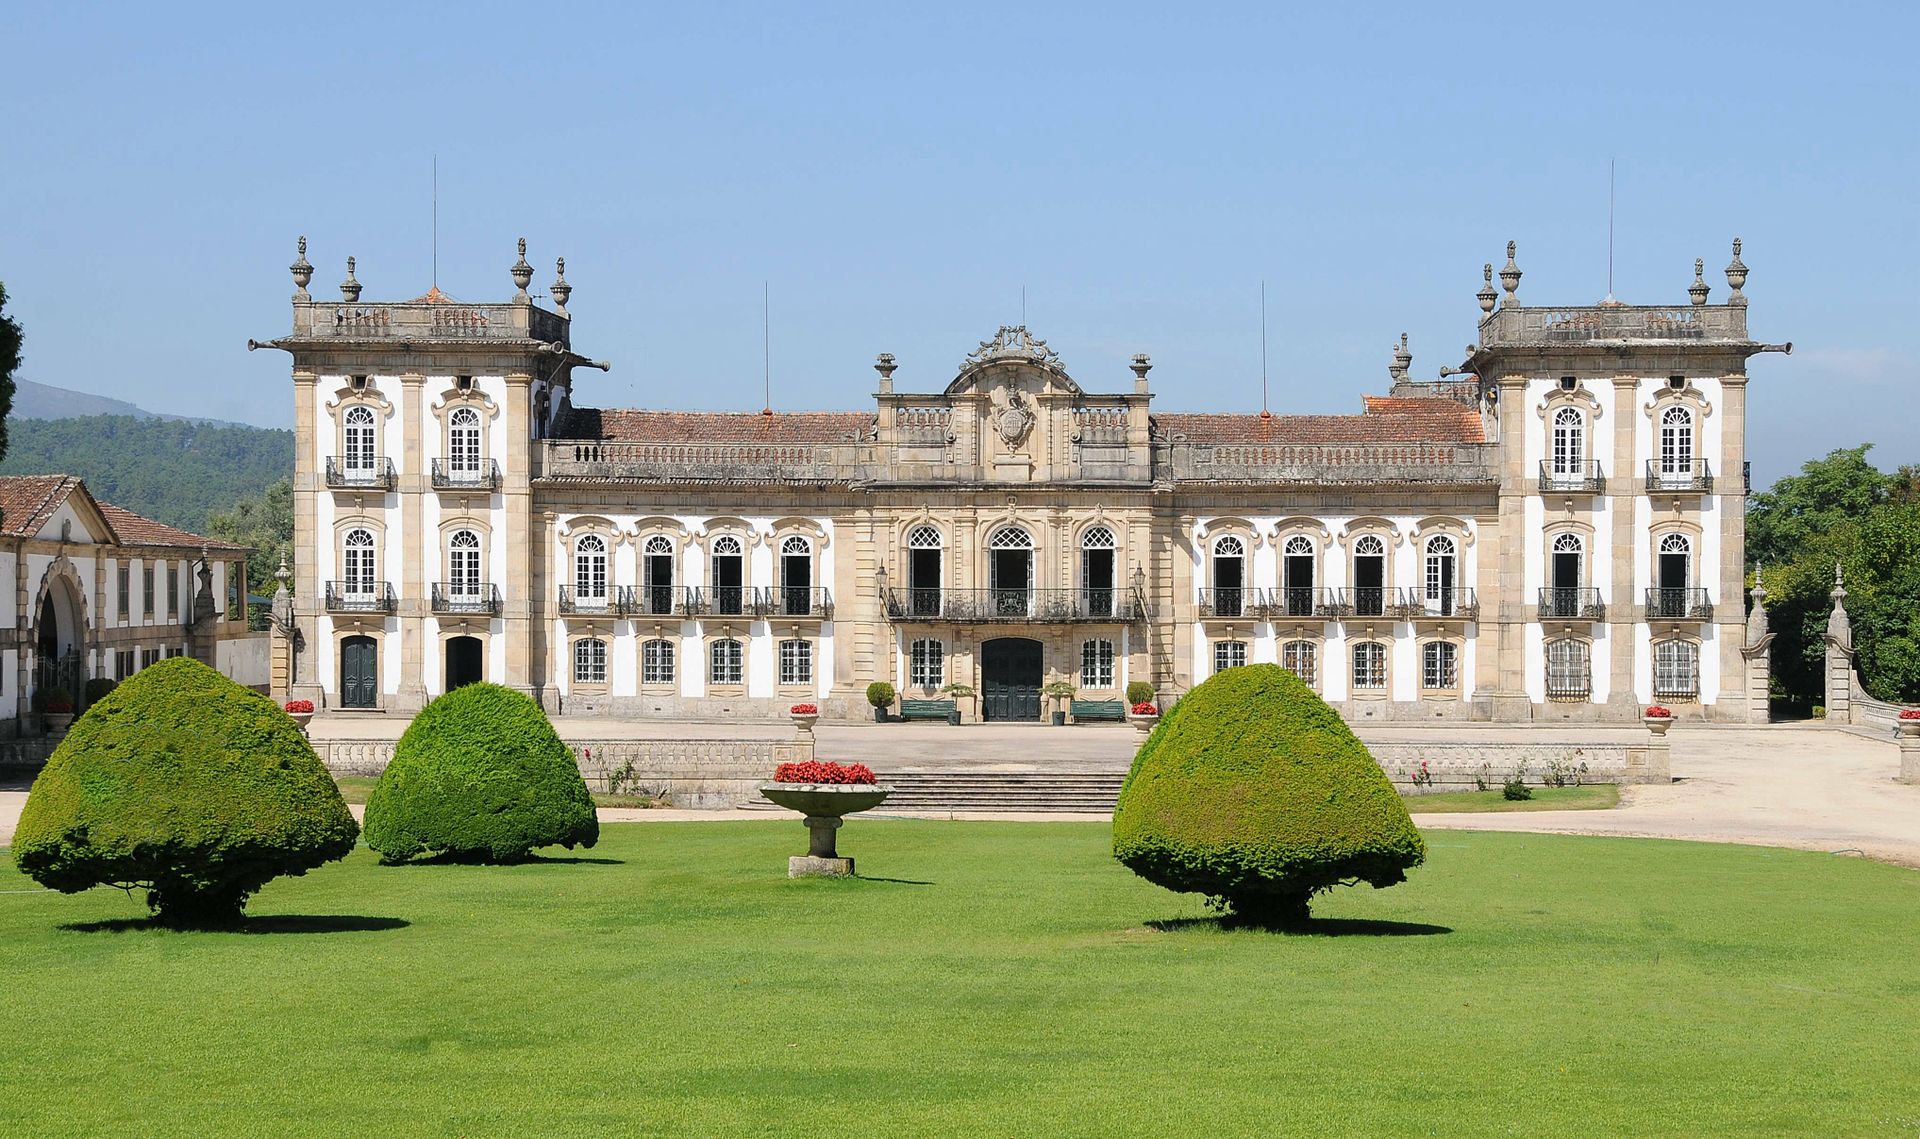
pixel 590 662
pixel 1229 654
pixel 1676 670
pixel 796 662
pixel 656 662
pixel 1369 665
pixel 1301 658
pixel 1569 670
pixel 123 664
pixel 1440 665
pixel 726 663
pixel 927 664
pixel 149 657
pixel 1096 664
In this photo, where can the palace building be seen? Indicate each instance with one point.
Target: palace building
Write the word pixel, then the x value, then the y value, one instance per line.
pixel 1551 531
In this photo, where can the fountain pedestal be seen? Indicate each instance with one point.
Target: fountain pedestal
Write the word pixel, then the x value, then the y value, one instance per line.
pixel 823 804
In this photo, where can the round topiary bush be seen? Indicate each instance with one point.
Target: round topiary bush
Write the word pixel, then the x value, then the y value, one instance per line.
pixel 480 776
pixel 189 785
pixel 1252 791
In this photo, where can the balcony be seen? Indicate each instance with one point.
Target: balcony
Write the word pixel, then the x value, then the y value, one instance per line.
pixel 1583 479
pixel 1679 478
pixel 1231 603
pixel 1013 606
pixel 1459 603
pixel 1365 601
pixel 341 475
pixel 665 601
pixel 814 602
pixel 461 598
pixel 1571 604
pixel 613 601
pixel 484 477
pixel 360 597
pixel 1678 605
pixel 1301 601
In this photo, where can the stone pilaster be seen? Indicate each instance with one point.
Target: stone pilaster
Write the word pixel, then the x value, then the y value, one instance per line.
pixel 1508 693
pixel 1730 506
pixel 308 456
pixel 1623 592
pixel 415 569
pixel 524 609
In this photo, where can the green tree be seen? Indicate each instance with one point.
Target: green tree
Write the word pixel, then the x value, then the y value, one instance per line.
pixel 9 360
pixel 1801 508
pixel 264 522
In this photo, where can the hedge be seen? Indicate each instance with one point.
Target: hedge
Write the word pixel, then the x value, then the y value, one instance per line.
pixel 479 776
pixel 188 785
pixel 1253 791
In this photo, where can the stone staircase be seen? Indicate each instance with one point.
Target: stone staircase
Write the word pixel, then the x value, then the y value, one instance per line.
pixel 1090 791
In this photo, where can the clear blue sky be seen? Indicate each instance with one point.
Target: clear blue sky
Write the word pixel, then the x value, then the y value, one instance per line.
pixel 898 175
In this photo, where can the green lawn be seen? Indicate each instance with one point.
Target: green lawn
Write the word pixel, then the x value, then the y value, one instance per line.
pixel 356 788
pixel 990 979
pixel 1586 797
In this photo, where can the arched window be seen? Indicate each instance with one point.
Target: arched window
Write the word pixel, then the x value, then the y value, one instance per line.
pixel 1569 444
pixel 1229 577
pixel 1010 571
pixel 590 662
pixel 926 664
pixel 1562 597
pixel 359 459
pixel 923 572
pixel 796 577
pixel 1096 664
pixel 656 579
pixel 1676 446
pixel 1569 669
pixel 1369 666
pixel 729 575
pixel 590 570
pixel 726 662
pixel 1676 670
pixel 463 444
pixel 796 662
pixel 1301 658
pixel 1297 576
pixel 1442 577
pixel 1097 571
pixel 1439 666
pixel 1369 576
pixel 1229 654
pixel 656 662
pixel 356 563
pixel 1673 574
pixel 463 566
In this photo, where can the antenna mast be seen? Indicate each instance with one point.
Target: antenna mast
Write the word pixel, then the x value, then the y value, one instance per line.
pixel 436 219
pixel 1263 349
pixel 766 340
pixel 1609 229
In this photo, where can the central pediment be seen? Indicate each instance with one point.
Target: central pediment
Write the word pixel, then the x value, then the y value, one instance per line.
pixel 1013 350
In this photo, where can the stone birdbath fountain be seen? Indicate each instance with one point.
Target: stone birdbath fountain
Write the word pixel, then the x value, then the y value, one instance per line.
pixel 824 793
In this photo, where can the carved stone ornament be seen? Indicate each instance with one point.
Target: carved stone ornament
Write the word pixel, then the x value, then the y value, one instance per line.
pixel 1014 342
pixel 1013 416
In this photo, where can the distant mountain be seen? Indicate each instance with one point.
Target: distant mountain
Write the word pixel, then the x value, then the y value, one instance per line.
pixel 44 401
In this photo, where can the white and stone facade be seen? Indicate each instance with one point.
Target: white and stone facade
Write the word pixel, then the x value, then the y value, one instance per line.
pixel 1554 532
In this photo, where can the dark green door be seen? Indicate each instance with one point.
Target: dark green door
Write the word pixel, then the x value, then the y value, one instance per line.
pixel 1010 678
pixel 359 673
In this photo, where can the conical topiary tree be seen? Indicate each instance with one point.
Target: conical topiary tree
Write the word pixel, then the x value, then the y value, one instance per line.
pixel 480 776
pixel 1252 791
pixel 189 785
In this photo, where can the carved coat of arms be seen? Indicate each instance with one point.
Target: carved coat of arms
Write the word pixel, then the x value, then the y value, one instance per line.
pixel 1012 416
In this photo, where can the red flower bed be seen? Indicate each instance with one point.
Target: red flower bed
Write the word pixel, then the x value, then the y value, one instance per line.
pixel 805 709
pixel 1910 713
pixel 298 706
pixel 1659 713
pixel 1145 708
pixel 814 771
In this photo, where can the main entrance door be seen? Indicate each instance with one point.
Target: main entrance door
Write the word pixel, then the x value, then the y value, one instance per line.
pixel 463 662
pixel 359 673
pixel 1010 678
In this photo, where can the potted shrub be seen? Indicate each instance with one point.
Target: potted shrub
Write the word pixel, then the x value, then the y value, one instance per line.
pixel 1061 692
pixel 1143 714
pixel 1657 719
pixel 301 711
pixel 804 715
pixel 1139 692
pixel 55 705
pixel 880 694
pixel 1908 724
pixel 957 692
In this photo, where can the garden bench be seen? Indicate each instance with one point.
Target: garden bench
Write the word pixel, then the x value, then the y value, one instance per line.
pixel 927 709
pixel 1098 710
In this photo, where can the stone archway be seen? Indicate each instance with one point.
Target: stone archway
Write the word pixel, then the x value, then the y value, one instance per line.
pixel 60 634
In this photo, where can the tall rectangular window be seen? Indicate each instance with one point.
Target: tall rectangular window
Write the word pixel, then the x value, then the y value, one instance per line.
pixel 146 601
pixel 590 662
pixel 1299 658
pixel 123 585
pixel 927 664
pixel 796 662
pixel 656 662
pixel 726 665
pixel 173 589
pixel 1440 665
pixel 1370 665
pixel 1229 654
pixel 1096 664
pixel 1676 670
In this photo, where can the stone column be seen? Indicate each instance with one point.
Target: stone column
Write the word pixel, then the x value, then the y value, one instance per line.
pixel 1658 768
pixel 1755 649
pixel 1909 751
pixel 1839 662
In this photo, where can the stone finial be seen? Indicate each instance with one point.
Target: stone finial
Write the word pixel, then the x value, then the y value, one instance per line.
pixel 522 274
pixel 560 290
pixel 350 288
pixel 1141 365
pixel 883 364
pixel 1697 292
pixel 1757 616
pixel 1402 359
pixel 302 272
pixel 1486 294
pixel 1510 278
pixel 1736 276
pixel 283 575
pixel 1839 625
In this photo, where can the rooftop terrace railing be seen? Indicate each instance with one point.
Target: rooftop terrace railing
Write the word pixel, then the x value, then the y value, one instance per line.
pixel 427 321
pixel 1515 325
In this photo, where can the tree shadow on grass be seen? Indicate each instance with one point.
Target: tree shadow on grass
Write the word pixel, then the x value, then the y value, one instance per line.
pixel 895 881
pixel 1313 927
pixel 530 860
pixel 273 923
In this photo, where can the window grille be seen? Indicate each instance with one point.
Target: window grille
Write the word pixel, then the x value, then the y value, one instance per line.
pixel 1369 665
pixel 1569 670
pixel 1302 659
pixel 1676 670
pixel 1229 654
pixel 726 665
pixel 656 662
pixel 1096 664
pixel 796 662
pixel 927 664
pixel 1440 665
pixel 590 662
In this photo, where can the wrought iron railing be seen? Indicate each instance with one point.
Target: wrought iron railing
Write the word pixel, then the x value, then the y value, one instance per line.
pixel 1585 478
pixel 1366 601
pixel 485 476
pixel 1302 601
pixel 1678 605
pixel 343 476
pixel 1439 604
pixel 360 597
pixel 612 599
pixel 992 606
pixel 466 597
pixel 1231 601
pixel 1679 478
pixel 1575 603
pixel 793 601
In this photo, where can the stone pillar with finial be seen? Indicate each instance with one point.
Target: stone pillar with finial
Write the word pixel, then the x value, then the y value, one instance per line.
pixel 560 291
pixel 1510 278
pixel 1402 361
pixel 1839 659
pixel 1736 276
pixel 1697 292
pixel 1141 365
pixel 1756 650
pixel 522 276
pixel 350 288
pixel 302 274
pixel 883 364
pixel 1487 296
pixel 281 633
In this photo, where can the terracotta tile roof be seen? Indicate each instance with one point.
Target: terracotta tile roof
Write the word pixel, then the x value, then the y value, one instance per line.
pixel 27 501
pixel 635 425
pixel 135 530
pixel 1385 420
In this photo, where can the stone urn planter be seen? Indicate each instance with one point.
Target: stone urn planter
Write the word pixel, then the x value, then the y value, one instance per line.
pixel 57 722
pixel 1143 717
pixel 302 713
pixel 1908 729
pixel 804 717
pixel 823 805
pixel 1657 720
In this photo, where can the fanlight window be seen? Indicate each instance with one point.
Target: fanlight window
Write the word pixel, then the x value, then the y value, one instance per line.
pixel 1675 544
pixel 1010 538
pixel 1299 544
pixel 1370 547
pixel 463 564
pixel 1567 544
pixel 356 566
pixel 726 544
pixel 659 545
pixel 463 442
pixel 590 568
pixel 1676 441
pixel 1229 547
pixel 923 538
pixel 1569 442
pixel 796 547
pixel 359 439
pixel 1097 538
